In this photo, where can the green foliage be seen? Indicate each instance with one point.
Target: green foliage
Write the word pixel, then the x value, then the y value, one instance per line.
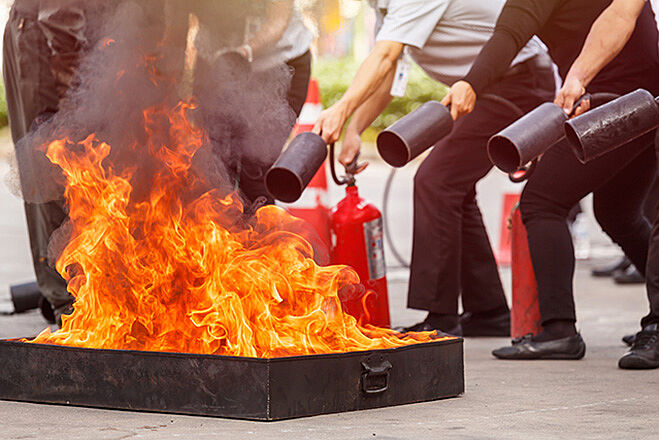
pixel 4 119
pixel 335 75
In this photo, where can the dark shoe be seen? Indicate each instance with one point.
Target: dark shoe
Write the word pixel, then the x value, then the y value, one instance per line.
pixel 608 271
pixel 572 347
pixel 475 325
pixel 629 276
pixel 629 339
pixel 644 354
pixel 424 326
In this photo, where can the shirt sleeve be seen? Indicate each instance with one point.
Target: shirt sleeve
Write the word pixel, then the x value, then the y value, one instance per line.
pixel 411 22
pixel 518 22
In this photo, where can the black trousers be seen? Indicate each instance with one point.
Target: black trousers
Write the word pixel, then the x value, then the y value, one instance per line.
pixel 619 182
pixel 652 271
pixel 451 253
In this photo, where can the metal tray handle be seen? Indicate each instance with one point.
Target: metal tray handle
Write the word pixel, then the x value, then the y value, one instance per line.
pixel 371 377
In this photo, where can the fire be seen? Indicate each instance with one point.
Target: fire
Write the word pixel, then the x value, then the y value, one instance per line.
pixel 161 273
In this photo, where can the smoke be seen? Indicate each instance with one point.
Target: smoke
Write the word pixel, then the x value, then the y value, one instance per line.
pixel 135 59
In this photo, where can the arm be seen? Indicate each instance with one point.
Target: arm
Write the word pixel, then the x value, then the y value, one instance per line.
pixel 518 22
pixel 607 37
pixel 379 65
pixel 362 119
pixel 407 22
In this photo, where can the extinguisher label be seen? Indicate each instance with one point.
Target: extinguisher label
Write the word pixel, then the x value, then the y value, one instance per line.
pixel 373 234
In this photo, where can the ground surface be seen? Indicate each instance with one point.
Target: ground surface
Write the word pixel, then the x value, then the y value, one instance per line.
pixel 588 399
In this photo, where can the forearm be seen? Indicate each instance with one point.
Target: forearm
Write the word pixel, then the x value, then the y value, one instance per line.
pixel 278 14
pixel 368 111
pixel 607 37
pixel 374 71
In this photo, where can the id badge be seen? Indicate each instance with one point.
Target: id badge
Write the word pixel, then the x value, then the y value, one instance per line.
pixel 402 75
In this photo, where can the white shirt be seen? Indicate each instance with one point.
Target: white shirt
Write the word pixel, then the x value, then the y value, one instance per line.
pixel 295 42
pixel 445 36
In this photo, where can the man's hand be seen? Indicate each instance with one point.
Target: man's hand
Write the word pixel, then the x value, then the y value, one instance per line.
pixel 350 149
pixel 572 90
pixel 461 98
pixel 331 121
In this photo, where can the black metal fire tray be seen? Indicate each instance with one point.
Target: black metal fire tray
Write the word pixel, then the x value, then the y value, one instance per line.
pixel 226 386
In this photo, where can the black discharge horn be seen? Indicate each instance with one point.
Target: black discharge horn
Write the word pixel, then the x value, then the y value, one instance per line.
pixel 414 133
pixel 612 125
pixel 290 175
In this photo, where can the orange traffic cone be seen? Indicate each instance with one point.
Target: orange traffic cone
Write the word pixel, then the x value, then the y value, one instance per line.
pixel 525 312
pixel 504 254
pixel 313 206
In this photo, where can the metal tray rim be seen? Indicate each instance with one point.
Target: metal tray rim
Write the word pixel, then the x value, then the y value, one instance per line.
pixel 16 342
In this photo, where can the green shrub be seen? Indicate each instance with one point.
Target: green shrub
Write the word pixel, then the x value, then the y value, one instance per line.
pixel 334 77
pixel 4 119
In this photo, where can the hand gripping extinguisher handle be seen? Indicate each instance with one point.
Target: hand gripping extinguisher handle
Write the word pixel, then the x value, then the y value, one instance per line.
pixel 351 169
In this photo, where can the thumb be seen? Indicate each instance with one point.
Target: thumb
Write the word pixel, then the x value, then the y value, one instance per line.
pixel 568 103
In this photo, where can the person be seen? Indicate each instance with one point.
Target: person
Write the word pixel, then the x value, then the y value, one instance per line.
pixel 280 37
pixel 451 255
pixel 609 33
pixel 619 180
pixel 264 77
pixel 42 43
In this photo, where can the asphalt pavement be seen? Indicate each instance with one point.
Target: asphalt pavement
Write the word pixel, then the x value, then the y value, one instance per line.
pixel 587 399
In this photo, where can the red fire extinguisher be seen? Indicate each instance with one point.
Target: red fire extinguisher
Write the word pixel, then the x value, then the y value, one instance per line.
pixel 357 240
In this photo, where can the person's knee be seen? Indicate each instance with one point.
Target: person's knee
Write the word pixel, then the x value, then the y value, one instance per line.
pixel 536 205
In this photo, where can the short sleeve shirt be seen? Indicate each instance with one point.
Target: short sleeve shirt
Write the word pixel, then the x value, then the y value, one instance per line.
pixel 295 42
pixel 445 36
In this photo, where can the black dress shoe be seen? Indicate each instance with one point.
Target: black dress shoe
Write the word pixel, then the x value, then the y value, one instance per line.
pixel 608 271
pixel 475 325
pixel 631 275
pixel 644 354
pixel 424 326
pixel 572 347
pixel 629 339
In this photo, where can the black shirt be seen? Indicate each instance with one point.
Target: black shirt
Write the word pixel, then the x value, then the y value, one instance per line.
pixel 563 26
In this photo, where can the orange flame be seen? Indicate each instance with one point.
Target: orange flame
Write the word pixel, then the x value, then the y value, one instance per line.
pixel 163 275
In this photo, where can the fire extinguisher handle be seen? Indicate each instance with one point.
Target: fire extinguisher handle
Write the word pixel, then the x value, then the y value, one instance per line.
pixel 349 179
pixel 523 174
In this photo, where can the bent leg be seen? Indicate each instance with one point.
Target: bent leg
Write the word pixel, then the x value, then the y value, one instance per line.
pixel 558 183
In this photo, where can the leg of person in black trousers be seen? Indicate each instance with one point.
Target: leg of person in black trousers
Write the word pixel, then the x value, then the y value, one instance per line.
pixel 451 251
pixel 619 181
pixel 644 353
pixel 32 90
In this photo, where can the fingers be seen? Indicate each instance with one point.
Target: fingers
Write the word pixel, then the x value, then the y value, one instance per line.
pixel 568 103
pixel 584 106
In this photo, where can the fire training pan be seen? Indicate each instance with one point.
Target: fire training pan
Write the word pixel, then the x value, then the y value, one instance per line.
pixel 612 125
pixel 228 386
